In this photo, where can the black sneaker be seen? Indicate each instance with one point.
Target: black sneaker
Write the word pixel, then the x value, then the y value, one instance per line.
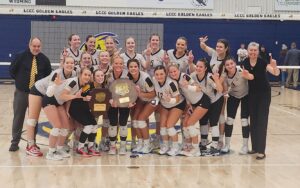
pixel 13 147
pixel 212 152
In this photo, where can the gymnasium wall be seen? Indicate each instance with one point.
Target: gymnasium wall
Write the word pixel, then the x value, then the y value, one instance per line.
pixel 16 30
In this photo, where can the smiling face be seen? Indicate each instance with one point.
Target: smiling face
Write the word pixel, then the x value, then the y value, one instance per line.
pixel 174 72
pixel 160 75
pixel 118 64
pixel 99 77
pixel 221 49
pixel 86 60
pixel 200 67
pixel 133 68
pixel 68 64
pixel 110 45
pixel 154 42
pixel 253 51
pixel 130 44
pixel 181 45
pixel 35 46
pixel 104 57
pixel 230 66
pixel 91 43
pixel 85 76
pixel 75 41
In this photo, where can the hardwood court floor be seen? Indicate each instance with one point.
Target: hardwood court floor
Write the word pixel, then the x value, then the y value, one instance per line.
pixel 281 168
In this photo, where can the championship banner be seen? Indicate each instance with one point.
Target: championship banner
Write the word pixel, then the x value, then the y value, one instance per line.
pixel 287 5
pixel 154 4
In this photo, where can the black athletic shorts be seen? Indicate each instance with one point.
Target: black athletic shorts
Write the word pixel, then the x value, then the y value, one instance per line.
pixel 34 91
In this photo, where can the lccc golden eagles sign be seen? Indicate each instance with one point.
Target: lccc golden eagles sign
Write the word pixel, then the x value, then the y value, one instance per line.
pixel 100 40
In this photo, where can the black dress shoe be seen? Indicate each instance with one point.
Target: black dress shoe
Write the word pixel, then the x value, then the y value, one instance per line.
pixel 252 152
pixel 260 156
pixel 13 147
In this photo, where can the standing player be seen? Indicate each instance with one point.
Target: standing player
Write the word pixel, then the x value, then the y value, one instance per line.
pixel 130 53
pixel 143 108
pixel 211 86
pixel 35 102
pixel 236 85
pixel 73 51
pixel 181 56
pixel 90 47
pixel 173 105
pixel 200 103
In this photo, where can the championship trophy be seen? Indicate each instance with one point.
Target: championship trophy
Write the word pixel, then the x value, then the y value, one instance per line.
pixel 123 92
pixel 99 103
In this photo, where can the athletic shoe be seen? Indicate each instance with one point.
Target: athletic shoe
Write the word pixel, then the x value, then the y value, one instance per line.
pixel 164 148
pixel 92 151
pixel 220 145
pixel 63 153
pixel 155 142
pixel 112 150
pixel 67 148
pixel 83 153
pixel 194 152
pixel 212 152
pixel 133 145
pixel 54 156
pixel 225 149
pixel 244 150
pixel 146 149
pixel 138 148
pixel 33 151
pixel 174 150
pixel 13 147
pixel 122 150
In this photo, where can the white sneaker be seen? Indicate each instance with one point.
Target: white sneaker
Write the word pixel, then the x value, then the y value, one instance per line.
pixel 174 150
pixel 138 148
pixel 112 150
pixel 133 145
pixel 244 150
pixel 194 152
pixel 225 149
pixel 164 148
pixel 155 142
pixel 122 150
pixel 146 149
pixel 63 153
pixel 54 156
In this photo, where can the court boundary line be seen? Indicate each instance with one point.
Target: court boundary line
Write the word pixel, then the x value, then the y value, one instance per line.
pixel 147 165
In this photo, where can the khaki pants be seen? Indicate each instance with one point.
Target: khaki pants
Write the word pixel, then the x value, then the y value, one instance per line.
pixel 295 73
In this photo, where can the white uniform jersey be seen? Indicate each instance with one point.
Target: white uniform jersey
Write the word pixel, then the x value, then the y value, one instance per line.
pixel 95 57
pixel 137 56
pixel 75 55
pixel 71 84
pixel 208 86
pixel 192 96
pixel 237 85
pixel 155 60
pixel 111 77
pixel 42 85
pixel 145 83
pixel 169 88
pixel 214 62
pixel 181 62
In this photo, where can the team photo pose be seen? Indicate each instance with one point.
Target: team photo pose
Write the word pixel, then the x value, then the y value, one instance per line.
pixel 199 105
pixel 173 105
pixel 90 47
pixel 35 102
pixel 236 86
pixel 57 114
pixel 117 115
pixel 73 51
pixel 259 97
pixel 111 46
pixel 143 108
pixel 130 53
pixel 211 85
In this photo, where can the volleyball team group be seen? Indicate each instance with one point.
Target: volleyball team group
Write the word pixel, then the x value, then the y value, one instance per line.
pixel 170 84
